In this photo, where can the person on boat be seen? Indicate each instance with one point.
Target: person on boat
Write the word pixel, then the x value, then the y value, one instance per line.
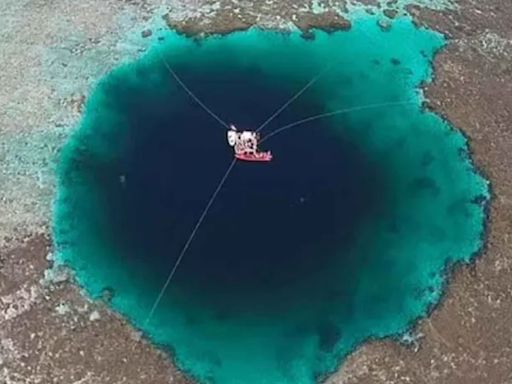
pixel 249 140
pixel 245 144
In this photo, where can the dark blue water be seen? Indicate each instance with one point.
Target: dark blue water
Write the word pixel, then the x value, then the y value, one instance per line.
pixel 345 235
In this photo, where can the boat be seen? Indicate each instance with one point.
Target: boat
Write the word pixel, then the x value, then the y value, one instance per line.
pixel 245 144
pixel 261 156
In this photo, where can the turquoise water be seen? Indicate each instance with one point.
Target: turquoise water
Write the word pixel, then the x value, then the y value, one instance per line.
pixel 345 236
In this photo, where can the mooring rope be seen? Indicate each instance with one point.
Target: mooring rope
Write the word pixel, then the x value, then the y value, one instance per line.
pixel 189 241
pixel 297 95
pixel 333 113
pixel 228 171
pixel 294 97
pixel 223 180
pixel 184 86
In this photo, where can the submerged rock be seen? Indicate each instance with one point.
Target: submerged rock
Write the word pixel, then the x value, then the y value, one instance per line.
pixel 384 24
pixel 390 13
pixel 146 33
pixel 329 21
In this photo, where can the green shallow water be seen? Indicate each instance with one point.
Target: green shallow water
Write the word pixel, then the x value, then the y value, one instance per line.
pixel 345 236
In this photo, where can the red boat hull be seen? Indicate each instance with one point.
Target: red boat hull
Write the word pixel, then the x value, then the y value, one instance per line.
pixel 262 156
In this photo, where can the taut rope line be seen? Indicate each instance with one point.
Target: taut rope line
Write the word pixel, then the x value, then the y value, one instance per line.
pixel 333 113
pixel 184 86
pixel 223 180
pixel 228 171
pixel 295 97
pixel 189 241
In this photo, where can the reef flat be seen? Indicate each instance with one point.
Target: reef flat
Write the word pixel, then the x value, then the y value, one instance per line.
pixel 48 70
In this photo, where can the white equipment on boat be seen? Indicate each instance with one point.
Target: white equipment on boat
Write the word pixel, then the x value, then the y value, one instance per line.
pixel 245 144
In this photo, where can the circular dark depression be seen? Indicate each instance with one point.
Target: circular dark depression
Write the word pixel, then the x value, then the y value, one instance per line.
pixel 344 235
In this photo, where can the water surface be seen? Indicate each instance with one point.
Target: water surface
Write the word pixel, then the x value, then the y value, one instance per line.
pixel 345 236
